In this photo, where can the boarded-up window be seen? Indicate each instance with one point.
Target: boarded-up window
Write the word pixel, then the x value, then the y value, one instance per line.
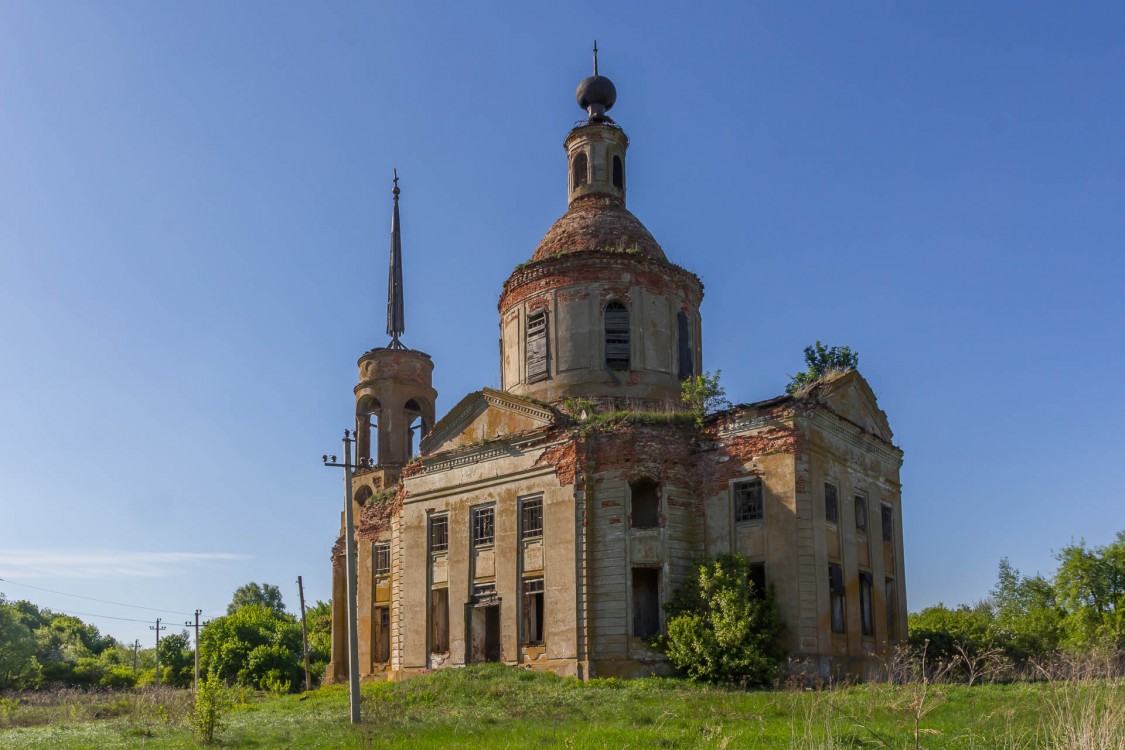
pixel 887 517
pixel 531 518
pixel 757 577
pixel 836 597
pixel 748 501
pixel 646 602
pixel 616 336
pixel 439 533
pixel 618 173
pixel 687 364
pixel 533 612
pixel 866 614
pixel 891 600
pixel 382 558
pixel 860 513
pixel 579 169
pixel 537 351
pixel 484 525
pixel 439 621
pixel 831 504
pixel 645 499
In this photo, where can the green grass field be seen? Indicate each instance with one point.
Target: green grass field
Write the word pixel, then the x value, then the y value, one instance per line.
pixel 496 706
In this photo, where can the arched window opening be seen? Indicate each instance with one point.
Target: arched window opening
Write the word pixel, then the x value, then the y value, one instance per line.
pixel 645 500
pixel 618 173
pixel 367 430
pixel 537 368
pixel 687 365
pixel 416 427
pixel 580 169
pixel 616 336
pixel 362 495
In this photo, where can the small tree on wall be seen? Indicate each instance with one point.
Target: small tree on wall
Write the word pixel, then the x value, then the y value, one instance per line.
pixel 821 360
pixel 703 394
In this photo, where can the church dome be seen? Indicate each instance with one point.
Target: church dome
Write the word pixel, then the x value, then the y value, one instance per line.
pixel 598 223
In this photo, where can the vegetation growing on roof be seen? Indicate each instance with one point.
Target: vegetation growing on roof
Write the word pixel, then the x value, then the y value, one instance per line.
pixel 820 361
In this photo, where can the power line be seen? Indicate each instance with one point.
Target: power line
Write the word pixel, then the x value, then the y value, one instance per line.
pixel 92 599
pixel 91 614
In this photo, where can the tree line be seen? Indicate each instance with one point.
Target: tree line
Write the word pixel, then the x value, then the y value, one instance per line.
pixel 257 643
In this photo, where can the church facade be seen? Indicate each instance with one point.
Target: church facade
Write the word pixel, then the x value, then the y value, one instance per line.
pixel 546 524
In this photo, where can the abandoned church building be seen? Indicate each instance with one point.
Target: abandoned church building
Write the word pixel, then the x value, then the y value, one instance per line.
pixel 528 526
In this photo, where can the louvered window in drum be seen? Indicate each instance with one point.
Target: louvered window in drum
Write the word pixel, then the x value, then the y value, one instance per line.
pixel 537 348
pixel 616 336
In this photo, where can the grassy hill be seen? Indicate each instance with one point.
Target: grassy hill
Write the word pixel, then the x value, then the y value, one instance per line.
pixel 502 707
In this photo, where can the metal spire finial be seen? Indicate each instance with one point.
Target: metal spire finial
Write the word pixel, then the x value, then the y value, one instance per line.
pixel 595 57
pixel 396 319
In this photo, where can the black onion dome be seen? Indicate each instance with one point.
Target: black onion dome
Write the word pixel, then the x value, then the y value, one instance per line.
pixel 596 95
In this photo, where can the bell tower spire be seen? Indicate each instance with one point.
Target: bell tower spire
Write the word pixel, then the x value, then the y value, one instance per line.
pixel 396 318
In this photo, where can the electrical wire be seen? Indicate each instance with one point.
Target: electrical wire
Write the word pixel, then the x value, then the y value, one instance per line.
pixel 102 601
pixel 91 614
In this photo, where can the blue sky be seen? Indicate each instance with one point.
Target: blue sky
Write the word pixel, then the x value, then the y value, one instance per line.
pixel 194 207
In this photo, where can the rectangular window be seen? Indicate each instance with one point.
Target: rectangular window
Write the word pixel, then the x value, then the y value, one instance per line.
pixel 484 525
pixel 860 513
pixel 831 504
pixel 891 602
pixel 887 517
pixel 382 558
pixel 644 495
pixel 866 616
pixel 439 621
pixel 836 597
pixel 533 612
pixel 748 501
pixel 439 533
pixel 383 637
pixel 646 602
pixel 537 359
pixel 484 593
pixel 531 518
pixel 757 578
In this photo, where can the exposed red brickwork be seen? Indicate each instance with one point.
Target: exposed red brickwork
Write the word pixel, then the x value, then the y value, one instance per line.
pixel 597 222
pixel 716 468
pixel 662 452
pixel 564 457
pixel 375 517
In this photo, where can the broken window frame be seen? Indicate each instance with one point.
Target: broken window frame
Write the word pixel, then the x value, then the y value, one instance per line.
pixel 382 649
pixel 533 631
pixel 747 500
pixel 837 599
pixel 484 526
pixel 831 504
pixel 439 533
pixel 860 512
pixel 439 625
pixel 887 519
pixel 382 559
pixel 537 347
pixel 618 352
pixel 866 605
pixel 531 517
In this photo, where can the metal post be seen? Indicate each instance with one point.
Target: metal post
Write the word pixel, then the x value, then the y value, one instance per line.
pixel 158 628
pixel 304 636
pixel 349 564
pixel 195 680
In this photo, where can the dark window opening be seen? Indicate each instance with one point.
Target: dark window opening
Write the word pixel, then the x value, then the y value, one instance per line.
pixel 618 173
pixel 616 336
pixel 831 504
pixel 891 603
pixel 484 525
pixel 836 597
pixel 439 621
pixel 415 427
pixel 646 602
pixel 367 431
pixel 860 513
pixel 748 501
pixel 757 578
pixel 439 534
pixel 382 558
pixel 533 612
pixel 645 496
pixel 580 170
pixel 887 517
pixel 866 615
pixel 383 637
pixel 537 357
pixel 687 365
pixel 531 518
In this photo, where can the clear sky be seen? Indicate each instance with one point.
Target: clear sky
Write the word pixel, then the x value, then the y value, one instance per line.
pixel 194 215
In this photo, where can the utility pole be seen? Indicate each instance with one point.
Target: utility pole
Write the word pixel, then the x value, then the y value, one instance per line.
pixel 158 627
pixel 195 681
pixel 136 647
pixel 304 635
pixel 349 564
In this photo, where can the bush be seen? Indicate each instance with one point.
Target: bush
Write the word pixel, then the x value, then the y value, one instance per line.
pixel 720 629
pixel 212 699
pixel 821 360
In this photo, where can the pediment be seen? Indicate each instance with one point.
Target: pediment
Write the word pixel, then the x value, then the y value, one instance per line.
pixel 485 415
pixel 850 396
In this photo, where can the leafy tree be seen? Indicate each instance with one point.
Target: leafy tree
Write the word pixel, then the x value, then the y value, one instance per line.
pixel 177 660
pixel 17 647
pixel 1028 622
pixel 720 629
pixel 1090 586
pixel 246 646
pixel 703 394
pixel 252 593
pixel 319 622
pixel 940 630
pixel 820 360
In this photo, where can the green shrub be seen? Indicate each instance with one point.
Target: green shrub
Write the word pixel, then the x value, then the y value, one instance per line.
pixel 820 361
pixel 212 700
pixel 720 629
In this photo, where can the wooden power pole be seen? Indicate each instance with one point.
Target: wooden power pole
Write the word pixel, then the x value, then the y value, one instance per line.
pixel 349 563
pixel 195 680
pixel 158 627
